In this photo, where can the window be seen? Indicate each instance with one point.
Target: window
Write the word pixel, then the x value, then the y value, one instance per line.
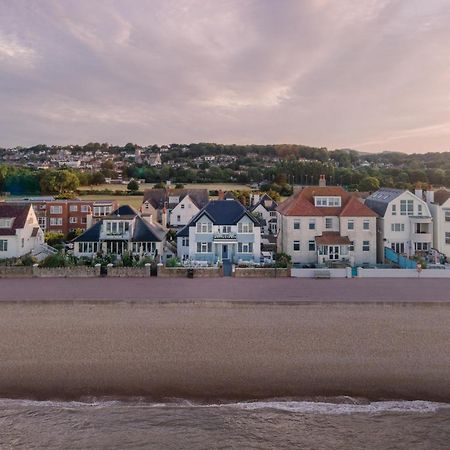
pixel 406 207
pixel 54 221
pixel 6 222
pixel 204 247
pixel 55 209
pixel 327 201
pixel 23 242
pixel 73 208
pixel 447 238
pixel 312 246
pixel 245 248
pixel 447 215
pixel 246 227
pixel 421 246
pixel 394 210
pixel 85 208
pixel 328 222
pixel 3 245
pixel 296 246
pixel 73 220
pixel 397 227
pixel 273 214
pixel 204 227
pixel 366 246
pixel 419 209
pixel 88 247
pixel 312 224
pixel 84 220
pixel 185 242
pixel 182 206
pixel 296 224
pixel 42 222
pixel 351 247
pixel 366 224
pixel 226 229
pixel 178 218
pixel 351 225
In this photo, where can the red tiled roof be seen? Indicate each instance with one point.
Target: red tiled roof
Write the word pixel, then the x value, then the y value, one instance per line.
pixel 332 238
pixel 17 212
pixel 302 203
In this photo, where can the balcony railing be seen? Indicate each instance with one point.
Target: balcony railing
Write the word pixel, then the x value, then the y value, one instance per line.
pixel 224 236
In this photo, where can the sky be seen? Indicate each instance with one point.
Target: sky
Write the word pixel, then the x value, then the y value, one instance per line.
pixel 372 75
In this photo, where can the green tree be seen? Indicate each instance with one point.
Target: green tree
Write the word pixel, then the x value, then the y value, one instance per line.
pixel 58 182
pixel 369 184
pixel 133 186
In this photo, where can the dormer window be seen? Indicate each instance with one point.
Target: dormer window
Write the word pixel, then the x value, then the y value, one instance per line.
pixel 117 227
pixel 204 227
pixel 6 222
pixel 245 227
pixel 321 201
pixel 174 199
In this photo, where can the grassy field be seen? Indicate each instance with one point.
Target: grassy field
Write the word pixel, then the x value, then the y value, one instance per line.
pixel 209 186
pixel 133 200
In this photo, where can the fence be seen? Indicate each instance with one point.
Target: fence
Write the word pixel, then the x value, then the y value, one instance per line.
pixel 402 261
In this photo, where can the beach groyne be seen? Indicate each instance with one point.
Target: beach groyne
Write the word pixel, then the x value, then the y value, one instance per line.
pixel 225 350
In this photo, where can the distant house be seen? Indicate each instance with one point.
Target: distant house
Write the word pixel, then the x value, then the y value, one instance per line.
pixel 19 230
pixel 265 208
pixel 326 224
pixel 123 231
pixel 439 205
pixel 173 207
pixel 154 159
pixel 404 224
pixel 222 230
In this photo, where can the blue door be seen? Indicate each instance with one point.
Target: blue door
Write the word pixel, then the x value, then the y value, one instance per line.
pixel 227 268
pixel 224 251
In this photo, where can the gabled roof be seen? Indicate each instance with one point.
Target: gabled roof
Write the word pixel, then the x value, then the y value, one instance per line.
pixel 220 212
pixel 380 199
pixel 159 198
pixel 142 230
pixel 441 196
pixel 17 212
pixel 265 198
pixel 302 203
pixel 332 238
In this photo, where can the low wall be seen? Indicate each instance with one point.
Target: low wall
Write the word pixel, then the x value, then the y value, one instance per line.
pixel 129 272
pixel 402 273
pixel 180 272
pixel 311 273
pixel 266 272
pixel 16 271
pixel 66 272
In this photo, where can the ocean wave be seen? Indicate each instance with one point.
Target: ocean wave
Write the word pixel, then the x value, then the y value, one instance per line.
pixel 335 405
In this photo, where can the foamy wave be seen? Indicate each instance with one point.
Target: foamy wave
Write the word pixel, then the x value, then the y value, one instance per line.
pixel 416 406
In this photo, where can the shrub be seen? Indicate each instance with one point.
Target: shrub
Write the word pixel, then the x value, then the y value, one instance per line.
pixel 173 262
pixel 282 260
pixel 27 260
pixel 57 260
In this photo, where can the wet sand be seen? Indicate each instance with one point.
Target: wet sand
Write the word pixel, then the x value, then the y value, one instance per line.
pixel 223 350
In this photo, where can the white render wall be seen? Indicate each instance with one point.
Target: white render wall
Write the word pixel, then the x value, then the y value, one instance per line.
pixel 15 248
pixel 186 209
pixel 440 227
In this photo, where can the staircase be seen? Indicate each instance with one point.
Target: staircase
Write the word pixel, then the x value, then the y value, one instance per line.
pixel 42 251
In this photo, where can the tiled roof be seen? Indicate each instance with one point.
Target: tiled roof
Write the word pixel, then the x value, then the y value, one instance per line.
pixel 302 203
pixel 441 196
pixel 18 212
pixel 332 238
pixel 159 198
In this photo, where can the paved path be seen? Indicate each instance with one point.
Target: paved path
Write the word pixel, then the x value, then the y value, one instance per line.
pixel 236 289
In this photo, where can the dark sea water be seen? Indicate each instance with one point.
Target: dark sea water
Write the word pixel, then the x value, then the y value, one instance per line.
pixel 337 423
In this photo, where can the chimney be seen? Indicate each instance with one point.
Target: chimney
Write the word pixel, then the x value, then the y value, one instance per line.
pixel 418 193
pixel 255 199
pixel 429 196
pixel 322 181
pixel 148 218
pixel 221 194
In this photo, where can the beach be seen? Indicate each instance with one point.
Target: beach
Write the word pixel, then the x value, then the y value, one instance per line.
pixel 224 349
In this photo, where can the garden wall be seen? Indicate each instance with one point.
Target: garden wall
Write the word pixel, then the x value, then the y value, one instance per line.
pixel 16 271
pixel 316 273
pixel 265 272
pixel 129 271
pixel 402 273
pixel 66 272
pixel 177 272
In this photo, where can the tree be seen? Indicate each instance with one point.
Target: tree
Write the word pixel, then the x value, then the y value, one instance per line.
pixel 58 182
pixel 369 184
pixel 133 186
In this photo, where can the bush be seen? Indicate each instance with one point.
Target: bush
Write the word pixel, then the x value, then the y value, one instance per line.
pixel 282 260
pixel 27 260
pixel 57 260
pixel 173 262
pixel 53 239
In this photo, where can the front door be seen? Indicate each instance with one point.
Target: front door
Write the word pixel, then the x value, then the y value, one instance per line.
pixel 333 252
pixel 224 251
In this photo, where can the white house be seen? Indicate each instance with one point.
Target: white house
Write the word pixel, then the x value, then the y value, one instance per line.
pixel 174 207
pixel 265 209
pixel 123 231
pixel 326 224
pixel 20 233
pixel 404 224
pixel 439 204
pixel 222 230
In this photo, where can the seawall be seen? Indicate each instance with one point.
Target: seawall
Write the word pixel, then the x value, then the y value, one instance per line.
pixel 224 349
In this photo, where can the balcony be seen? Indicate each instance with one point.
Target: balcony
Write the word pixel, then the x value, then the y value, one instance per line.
pixel 421 237
pixel 224 237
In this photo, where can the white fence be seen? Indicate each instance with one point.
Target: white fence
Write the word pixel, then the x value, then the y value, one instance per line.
pixel 402 273
pixel 321 273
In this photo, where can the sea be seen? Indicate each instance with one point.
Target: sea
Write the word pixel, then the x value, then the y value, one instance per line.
pixel 138 423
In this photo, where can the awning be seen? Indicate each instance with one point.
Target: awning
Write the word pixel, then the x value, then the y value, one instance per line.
pixel 332 238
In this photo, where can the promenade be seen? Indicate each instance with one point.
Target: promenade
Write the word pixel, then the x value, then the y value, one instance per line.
pixel 225 289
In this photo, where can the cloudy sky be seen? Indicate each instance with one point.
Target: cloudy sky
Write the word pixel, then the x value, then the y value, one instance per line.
pixel 366 74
